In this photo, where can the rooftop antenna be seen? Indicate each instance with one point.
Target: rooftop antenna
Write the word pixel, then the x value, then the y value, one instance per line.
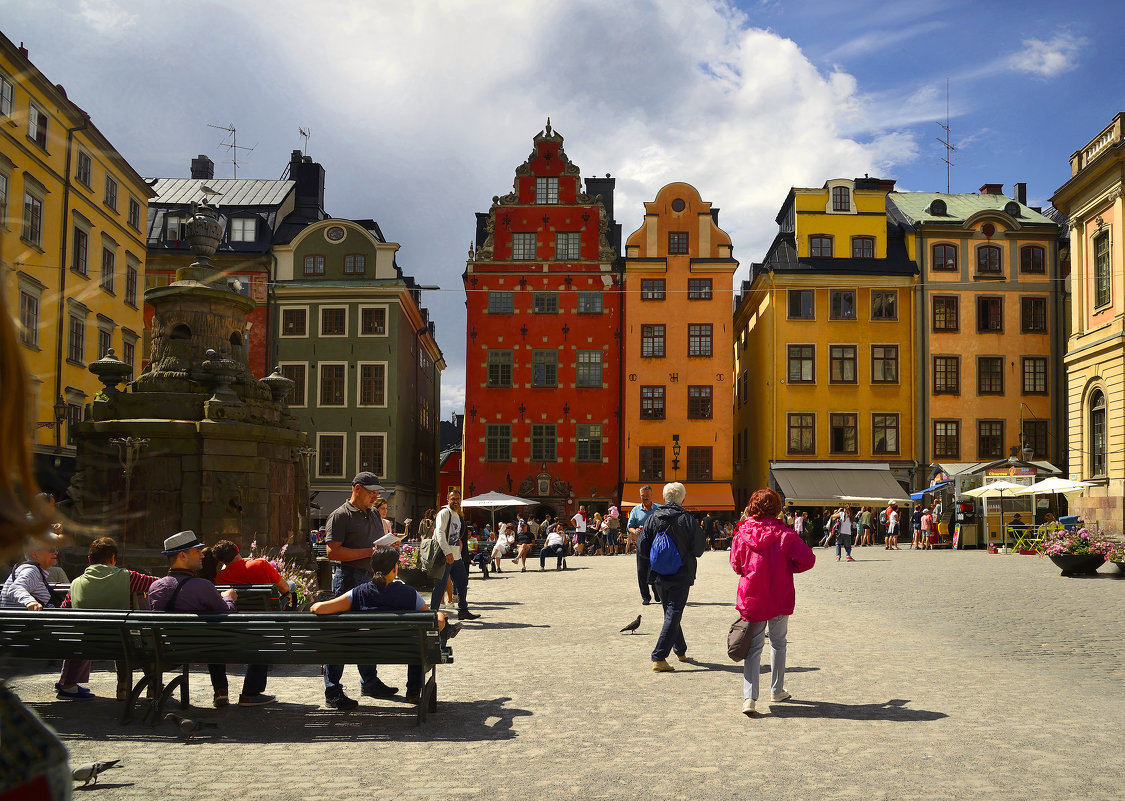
pixel 304 133
pixel 232 145
pixel 949 148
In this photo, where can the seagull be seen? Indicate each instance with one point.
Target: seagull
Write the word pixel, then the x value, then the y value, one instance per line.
pixel 188 727
pixel 84 773
pixel 636 624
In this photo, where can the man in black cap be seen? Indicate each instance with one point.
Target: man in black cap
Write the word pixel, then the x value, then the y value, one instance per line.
pixel 351 533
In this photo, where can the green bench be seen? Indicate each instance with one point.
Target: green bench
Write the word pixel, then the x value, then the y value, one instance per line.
pixel 251 597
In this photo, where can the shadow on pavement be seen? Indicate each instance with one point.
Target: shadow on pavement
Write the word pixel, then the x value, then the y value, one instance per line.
pixel 894 710
pixel 477 624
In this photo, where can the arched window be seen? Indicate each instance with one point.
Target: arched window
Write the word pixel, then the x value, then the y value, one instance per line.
pixel 1097 433
pixel 988 259
pixel 841 199
pixel 945 257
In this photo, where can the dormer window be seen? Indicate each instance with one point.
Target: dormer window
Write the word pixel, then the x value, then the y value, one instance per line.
pixel 841 199
pixel 244 229
pixel 173 227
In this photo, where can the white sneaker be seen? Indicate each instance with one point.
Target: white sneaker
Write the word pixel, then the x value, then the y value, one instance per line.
pixel 781 696
pixel 748 707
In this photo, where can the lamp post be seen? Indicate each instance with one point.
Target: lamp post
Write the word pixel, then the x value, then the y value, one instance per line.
pixel 59 410
pixel 676 456
pixel 308 454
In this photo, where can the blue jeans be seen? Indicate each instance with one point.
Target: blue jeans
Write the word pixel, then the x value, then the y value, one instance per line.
pixel 345 578
pixel 643 570
pixel 558 551
pixel 843 541
pixel 254 683
pixel 460 574
pixel 779 628
pixel 671 638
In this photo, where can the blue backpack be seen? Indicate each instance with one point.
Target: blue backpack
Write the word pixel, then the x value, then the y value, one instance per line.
pixel 664 557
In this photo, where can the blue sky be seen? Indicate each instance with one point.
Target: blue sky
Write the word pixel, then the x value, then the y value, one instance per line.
pixel 420 111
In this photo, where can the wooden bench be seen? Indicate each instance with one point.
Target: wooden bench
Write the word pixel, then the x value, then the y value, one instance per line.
pixel 162 642
pixel 251 597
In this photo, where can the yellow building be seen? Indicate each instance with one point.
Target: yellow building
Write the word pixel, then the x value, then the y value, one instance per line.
pixel 1095 350
pixel 676 411
pixel 72 249
pixel 823 333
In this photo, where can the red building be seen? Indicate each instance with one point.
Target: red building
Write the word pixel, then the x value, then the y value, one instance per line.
pixel 543 364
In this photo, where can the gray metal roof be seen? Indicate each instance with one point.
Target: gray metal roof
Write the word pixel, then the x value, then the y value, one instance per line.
pixel 233 191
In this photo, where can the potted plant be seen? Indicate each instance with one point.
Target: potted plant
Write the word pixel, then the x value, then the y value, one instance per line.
pixel 409 571
pixel 1076 552
pixel 1116 554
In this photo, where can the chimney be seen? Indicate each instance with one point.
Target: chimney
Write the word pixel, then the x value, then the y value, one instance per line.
pixel 23 50
pixel 309 177
pixel 1021 192
pixel 202 167
pixel 992 189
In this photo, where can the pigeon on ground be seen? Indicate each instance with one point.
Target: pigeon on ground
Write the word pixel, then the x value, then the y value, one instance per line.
pixel 636 624
pixel 84 773
pixel 188 727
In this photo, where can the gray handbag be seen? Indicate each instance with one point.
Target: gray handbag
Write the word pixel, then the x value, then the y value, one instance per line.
pixel 738 640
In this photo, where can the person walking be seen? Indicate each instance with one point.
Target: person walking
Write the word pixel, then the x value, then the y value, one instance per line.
pixel 916 528
pixel 448 532
pixel 635 524
pixel 844 532
pixel 766 553
pixel 891 541
pixel 927 528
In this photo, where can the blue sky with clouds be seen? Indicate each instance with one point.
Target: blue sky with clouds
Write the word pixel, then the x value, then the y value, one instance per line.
pixel 420 111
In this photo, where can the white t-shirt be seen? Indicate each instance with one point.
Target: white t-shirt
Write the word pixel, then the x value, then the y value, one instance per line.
pixel 892 521
pixel 555 538
pixel 579 523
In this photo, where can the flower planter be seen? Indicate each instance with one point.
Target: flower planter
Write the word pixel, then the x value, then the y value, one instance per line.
pixel 1077 564
pixel 1119 565
pixel 418 579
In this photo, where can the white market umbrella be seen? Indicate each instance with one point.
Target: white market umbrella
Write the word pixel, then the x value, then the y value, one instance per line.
pixel 496 500
pixel 998 489
pixel 1054 486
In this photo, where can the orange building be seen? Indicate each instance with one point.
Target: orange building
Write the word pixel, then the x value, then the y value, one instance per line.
pixel 677 416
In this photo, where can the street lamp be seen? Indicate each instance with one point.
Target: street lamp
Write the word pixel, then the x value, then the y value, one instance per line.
pixel 676 456
pixel 59 410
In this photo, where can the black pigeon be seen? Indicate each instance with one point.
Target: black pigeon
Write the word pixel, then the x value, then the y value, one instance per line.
pixel 84 773
pixel 636 624
pixel 188 727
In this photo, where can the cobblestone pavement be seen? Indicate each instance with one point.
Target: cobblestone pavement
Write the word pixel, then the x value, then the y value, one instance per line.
pixel 914 675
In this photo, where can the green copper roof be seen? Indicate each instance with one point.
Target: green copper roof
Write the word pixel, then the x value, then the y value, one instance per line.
pixel 915 207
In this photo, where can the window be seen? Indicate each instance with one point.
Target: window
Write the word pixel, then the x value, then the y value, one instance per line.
pixel 372 384
pixel 841 304
pixel 76 340
pixel 884 433
pixel 1035 437
pixel 802 432
pixel 73 417
pixel 245 229
pixel 652 403
pixel 820 246
pixel 84 170
pixel 699 289
pixel 37 125
pixel 333 321
pixel 990 439
pixel 841 199
pixel 134 213
pixel 174 228
pixel 947 375
pixel 501 302
pixel 589 302
pixel 296 373
pixel 1034 375
pixel 111 192
pixel 990 375
pixel 330 454
pixel 132 279
pixel 314 264
pixel 32 219
pixel 947 439
pixel 990 315
pixel 497 442
pixel 293 322
pixel 1097 434
pixel 884 305
pixel 355 264
pixel 842 431
pixel 109 269
pixel 547 190
pixel 699 339
pixel 1033 259
pixel 988 259
pixel 884 364
pixel 373 321
pixel 1033 315
pixel 80 258
pixel 801 304
pixel 589 368
pixel 652 463
pixel 499 368
pixel 802 364
pixel 4 184
pixel 129 354
pixel 863 247
pixel 677 243
pixel 568 245
pixel 545 303
pixel 589 442
pixel 652 340
pixel 105 342
pixel 372 453
pixel 947 313
pixel 1102 280
pixel 699 463
pixel 652 289
pixel 945 258
pixel 544 442
pixel 523 246
pixel 544 368
pixel 333 378
pixel 29 319
pixel 7 96
pixel 699 403
pixel 841 364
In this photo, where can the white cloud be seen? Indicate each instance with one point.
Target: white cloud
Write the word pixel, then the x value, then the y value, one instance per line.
pixel 1047 59
pixel 106 16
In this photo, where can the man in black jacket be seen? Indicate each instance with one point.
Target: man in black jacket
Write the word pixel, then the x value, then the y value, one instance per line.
pixel 689 541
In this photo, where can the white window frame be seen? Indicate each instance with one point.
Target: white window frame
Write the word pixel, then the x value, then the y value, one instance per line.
pixel 33 289
pixel 35 112
pixel 135 224
pixel 524 238
pixel 39 196
pixel 7 96
pixel 5 194
pixel 238 229
pixel 111 192
pixel 386 317
pixel 359 384
pixel 281 322
pixel 303 402
pixel 320 377
pixel 174 222
pixel 84 159
pixel 343 435
pixel 382 435
pixel 547 188
pixel 568 245
pixel 320 321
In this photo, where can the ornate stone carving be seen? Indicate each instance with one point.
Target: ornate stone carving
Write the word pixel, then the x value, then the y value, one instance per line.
pixel 527 486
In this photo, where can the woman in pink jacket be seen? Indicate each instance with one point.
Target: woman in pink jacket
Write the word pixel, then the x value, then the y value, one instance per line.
pixel 766 553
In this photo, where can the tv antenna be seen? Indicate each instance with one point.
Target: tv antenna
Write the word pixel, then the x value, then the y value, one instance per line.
pixel 232 145
pixel 304 133
pixel 949 148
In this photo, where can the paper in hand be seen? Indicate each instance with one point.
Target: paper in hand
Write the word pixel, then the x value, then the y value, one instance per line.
pixel 389 539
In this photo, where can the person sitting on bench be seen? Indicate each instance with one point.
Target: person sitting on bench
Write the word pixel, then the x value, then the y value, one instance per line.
pixel 555 546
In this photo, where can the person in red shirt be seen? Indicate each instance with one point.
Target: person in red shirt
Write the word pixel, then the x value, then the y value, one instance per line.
pixel 237 570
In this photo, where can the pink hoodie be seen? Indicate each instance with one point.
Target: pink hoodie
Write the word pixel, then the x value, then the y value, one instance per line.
pixel 766 553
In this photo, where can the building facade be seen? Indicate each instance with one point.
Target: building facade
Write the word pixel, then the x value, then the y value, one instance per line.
pixel 72 254
pixel 677 412
pixel 544 314
pixel 1095 348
